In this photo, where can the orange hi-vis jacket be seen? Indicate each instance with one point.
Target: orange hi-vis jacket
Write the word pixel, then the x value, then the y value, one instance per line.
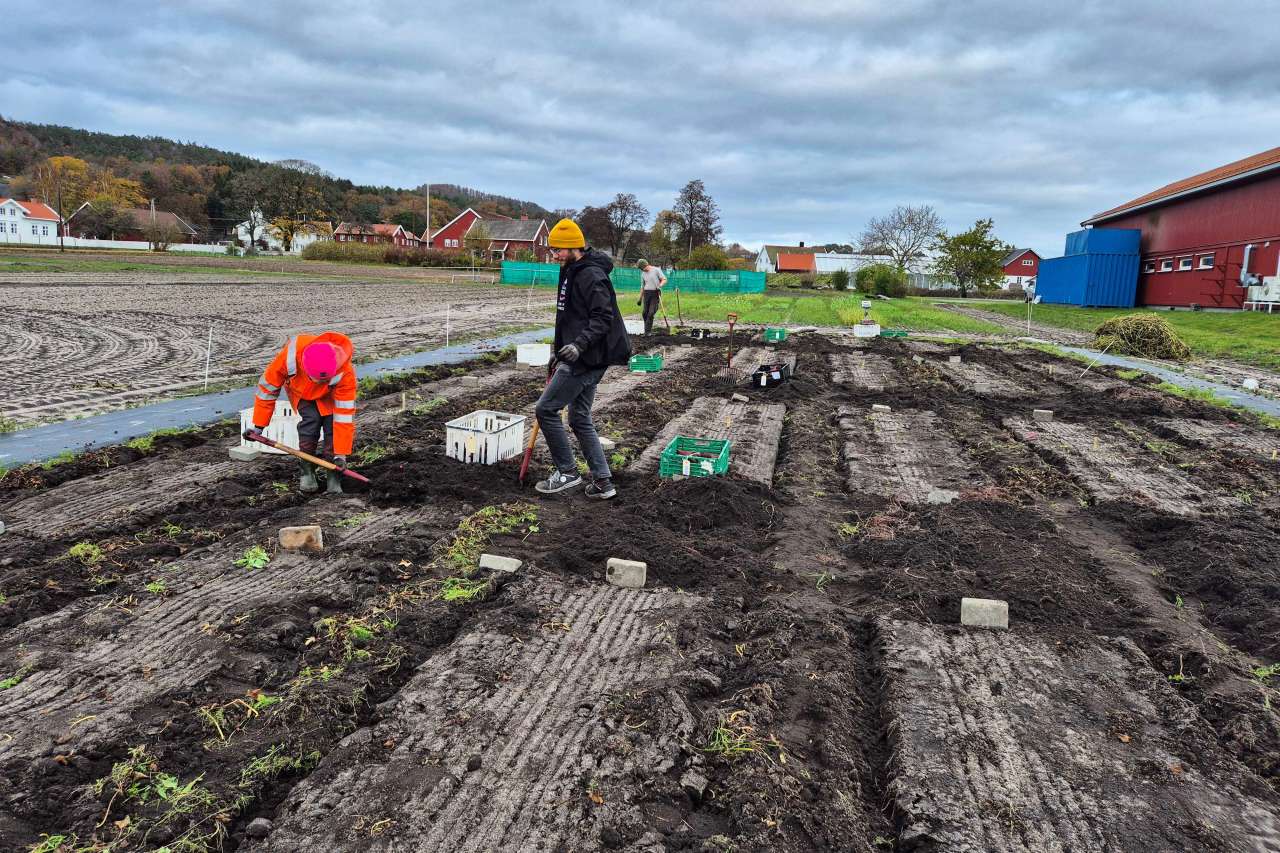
pixel 336 397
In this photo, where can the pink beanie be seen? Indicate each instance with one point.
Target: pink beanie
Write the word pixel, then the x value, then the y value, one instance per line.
pixel 320 361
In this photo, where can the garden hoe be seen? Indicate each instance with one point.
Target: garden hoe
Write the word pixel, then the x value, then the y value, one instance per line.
pixel 314 460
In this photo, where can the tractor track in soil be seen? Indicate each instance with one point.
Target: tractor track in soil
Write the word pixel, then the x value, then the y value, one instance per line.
pixel 106 341
pixel 807 619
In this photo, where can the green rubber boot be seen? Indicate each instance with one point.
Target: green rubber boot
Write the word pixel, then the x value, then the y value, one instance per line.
pixel 332 483
pixel 307 481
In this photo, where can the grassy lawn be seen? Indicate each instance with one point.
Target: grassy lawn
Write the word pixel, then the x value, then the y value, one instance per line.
pixel 1247 337
pixel 54 263
pixel 823 310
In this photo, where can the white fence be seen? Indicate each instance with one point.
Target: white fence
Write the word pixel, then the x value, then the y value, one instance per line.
pixel 84 243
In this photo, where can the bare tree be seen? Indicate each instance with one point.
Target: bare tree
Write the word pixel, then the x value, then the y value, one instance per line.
pixel 699 216
pixel 904 235
pixel 624 215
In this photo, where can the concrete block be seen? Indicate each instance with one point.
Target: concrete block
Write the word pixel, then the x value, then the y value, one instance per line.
pixel 469 381
pixel 954 359
pixel 1 527
pixel 628 573
pixel 608 445
pixel 880 407
pixel 306 538
pixel 917 359
pixel 1044 416
pixel 1250 384
pixel 740 398
pixel 499 564
pixel 240 453
pixel 941 496
pixel 984 613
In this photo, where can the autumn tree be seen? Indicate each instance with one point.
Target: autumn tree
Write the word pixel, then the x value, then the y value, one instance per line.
pixel 477 239
pixel 293 194
pixel 623 216
pixel 699 216
pixel 971 258
pixel 102 219
pixel 904 235
pixel 663 245
pixel 705 257
pixel 248 201
pixel 594 222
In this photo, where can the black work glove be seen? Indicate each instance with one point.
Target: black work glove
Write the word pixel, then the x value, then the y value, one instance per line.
pixel 252 434
pixel 569 353
pixel 640 301
pixel 340 460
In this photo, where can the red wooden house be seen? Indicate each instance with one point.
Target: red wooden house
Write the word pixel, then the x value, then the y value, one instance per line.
pixel 449 236
pixel 382 232
pixel 1021 266
pixel 508 237
pixel 511 238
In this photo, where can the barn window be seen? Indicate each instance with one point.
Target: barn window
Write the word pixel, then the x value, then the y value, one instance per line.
pixel 1184 264
pixel 1028 263
pixel 1206 262
pixel 1166 265
pixel 1149 266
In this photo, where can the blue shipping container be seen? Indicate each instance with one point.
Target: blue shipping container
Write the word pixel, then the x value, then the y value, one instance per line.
pixel 1092 280
pixel 1106 241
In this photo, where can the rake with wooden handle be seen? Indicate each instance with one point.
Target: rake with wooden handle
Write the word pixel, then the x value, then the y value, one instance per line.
pixel 314 460
pixel 533 434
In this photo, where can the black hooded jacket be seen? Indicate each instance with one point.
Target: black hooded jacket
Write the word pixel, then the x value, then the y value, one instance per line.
pixel 587 314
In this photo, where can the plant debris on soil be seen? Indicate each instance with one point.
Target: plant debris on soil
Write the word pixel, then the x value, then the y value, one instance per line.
pixel 793 676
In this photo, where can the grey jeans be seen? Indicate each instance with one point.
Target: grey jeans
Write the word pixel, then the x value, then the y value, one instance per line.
pixel 312 423
pixel 578 393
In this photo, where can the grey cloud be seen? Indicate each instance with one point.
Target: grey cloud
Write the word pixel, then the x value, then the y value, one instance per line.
pixel 804 118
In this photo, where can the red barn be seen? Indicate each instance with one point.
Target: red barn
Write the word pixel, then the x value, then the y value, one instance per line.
pixel 449 235
pixel 1206 237
pixel 355 232
pixel 1021 266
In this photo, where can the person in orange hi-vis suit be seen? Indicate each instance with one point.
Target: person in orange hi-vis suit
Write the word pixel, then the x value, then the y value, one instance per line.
pixel 317 373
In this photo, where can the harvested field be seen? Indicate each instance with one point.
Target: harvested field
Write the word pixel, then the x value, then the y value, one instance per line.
pixel 792 677
pixel 88 343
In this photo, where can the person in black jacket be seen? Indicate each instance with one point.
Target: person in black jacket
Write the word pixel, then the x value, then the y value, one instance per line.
pixel 590 336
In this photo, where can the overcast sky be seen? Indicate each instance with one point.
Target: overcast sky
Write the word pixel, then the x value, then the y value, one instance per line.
pixel 803 117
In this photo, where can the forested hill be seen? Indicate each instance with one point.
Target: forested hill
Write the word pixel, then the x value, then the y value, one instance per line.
pixel 210 187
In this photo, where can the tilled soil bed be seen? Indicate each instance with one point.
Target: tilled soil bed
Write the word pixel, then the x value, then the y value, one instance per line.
pixel 792 677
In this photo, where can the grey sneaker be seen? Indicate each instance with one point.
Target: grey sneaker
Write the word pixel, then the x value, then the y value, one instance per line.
pixel 558 482
pixel 601 490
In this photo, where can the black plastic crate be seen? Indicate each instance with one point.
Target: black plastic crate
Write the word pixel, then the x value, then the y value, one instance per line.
pixel 769 375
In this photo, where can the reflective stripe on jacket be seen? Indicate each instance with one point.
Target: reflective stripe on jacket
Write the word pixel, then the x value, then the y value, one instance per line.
pixel 336 396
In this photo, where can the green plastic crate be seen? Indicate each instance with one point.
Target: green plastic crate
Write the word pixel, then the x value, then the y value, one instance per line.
pixel 694 457
pixel 893 333
pixel 645 363
pixel 775 335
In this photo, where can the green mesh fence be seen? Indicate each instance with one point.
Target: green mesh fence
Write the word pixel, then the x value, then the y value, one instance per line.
pixel 628 278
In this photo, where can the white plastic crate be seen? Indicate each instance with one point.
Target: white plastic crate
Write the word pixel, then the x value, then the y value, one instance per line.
pixel 634 327
pixel 283 427
pixel 536 354
pixel 485 437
